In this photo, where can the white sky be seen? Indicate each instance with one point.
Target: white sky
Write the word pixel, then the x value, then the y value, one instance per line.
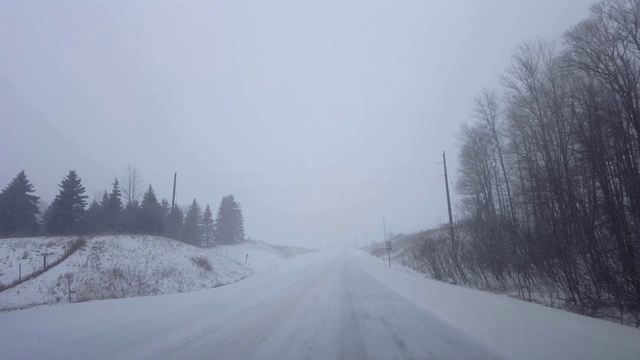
pixel 319 117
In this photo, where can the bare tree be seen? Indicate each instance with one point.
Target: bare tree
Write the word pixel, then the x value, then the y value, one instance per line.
pixel 550 173
pixel 132 184
pixel 487 110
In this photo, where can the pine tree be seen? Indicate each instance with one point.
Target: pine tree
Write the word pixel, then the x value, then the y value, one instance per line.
pixel 151 219
pixel 229 228
pixel 104 213
pixel 174 223
pixel 18 209
pixel 164 204
pixel 113 210
pixel 208 227
pixel 131 218
pixel 192 232
pixel 65 212
pixel 92 219
pixel 101 223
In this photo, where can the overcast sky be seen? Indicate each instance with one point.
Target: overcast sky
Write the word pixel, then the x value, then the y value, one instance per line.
pixel 320 117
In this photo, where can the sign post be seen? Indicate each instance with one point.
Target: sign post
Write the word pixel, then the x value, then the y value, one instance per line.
pixel 69 277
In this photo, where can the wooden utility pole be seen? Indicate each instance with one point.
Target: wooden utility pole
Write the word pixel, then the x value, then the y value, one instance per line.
pixel 446 182
pixel 173 198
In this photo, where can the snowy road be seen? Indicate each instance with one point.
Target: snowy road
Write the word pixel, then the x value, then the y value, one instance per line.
pixel 329 305
pixel 333 310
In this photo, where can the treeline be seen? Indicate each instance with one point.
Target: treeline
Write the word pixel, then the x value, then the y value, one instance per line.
pixel 550 172
pixel 120 211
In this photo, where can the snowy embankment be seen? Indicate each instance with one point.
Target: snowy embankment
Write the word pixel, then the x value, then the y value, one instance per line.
pixel 124 266
pixel 26 255
pixel 515 328
pixel 402 257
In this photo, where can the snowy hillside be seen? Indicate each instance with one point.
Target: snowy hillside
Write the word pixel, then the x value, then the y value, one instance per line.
pixel 28 253
pixel 126 266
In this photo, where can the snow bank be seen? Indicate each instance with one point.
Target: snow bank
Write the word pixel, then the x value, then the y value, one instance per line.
pixel 518 329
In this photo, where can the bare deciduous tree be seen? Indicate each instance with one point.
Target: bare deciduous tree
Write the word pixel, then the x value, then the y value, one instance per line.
pixel 132 184
pixel 550 173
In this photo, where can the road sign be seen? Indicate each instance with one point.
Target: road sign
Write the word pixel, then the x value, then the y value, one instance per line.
pixel 388 245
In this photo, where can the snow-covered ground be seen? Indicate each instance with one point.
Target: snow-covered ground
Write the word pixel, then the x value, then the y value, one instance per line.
pixel 261 256
pixel 126 266
pixel 401 257
pixel 516 328
pixel 326 305
pixel 28 253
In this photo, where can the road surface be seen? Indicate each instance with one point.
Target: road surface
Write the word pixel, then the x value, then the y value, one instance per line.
pixel 325 306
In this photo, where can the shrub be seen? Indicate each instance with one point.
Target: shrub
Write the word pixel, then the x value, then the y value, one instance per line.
pixel 202 262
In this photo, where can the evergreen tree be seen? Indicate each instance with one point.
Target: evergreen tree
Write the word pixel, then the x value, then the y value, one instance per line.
pixel 174 223
pixel 65 212
pixel 131 218
pixel 164 204
pixel 92 219
pixel 151 219
pixel 113 210
pixel 104 203
pixel 104 211
pixel 18 209
pixel 229 227
pixel 192 231
pixel 208 227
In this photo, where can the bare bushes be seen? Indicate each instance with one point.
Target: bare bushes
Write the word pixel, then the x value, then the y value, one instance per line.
pixel 495 257
pixel 202 262
pixel 125 279
pixel 550 173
